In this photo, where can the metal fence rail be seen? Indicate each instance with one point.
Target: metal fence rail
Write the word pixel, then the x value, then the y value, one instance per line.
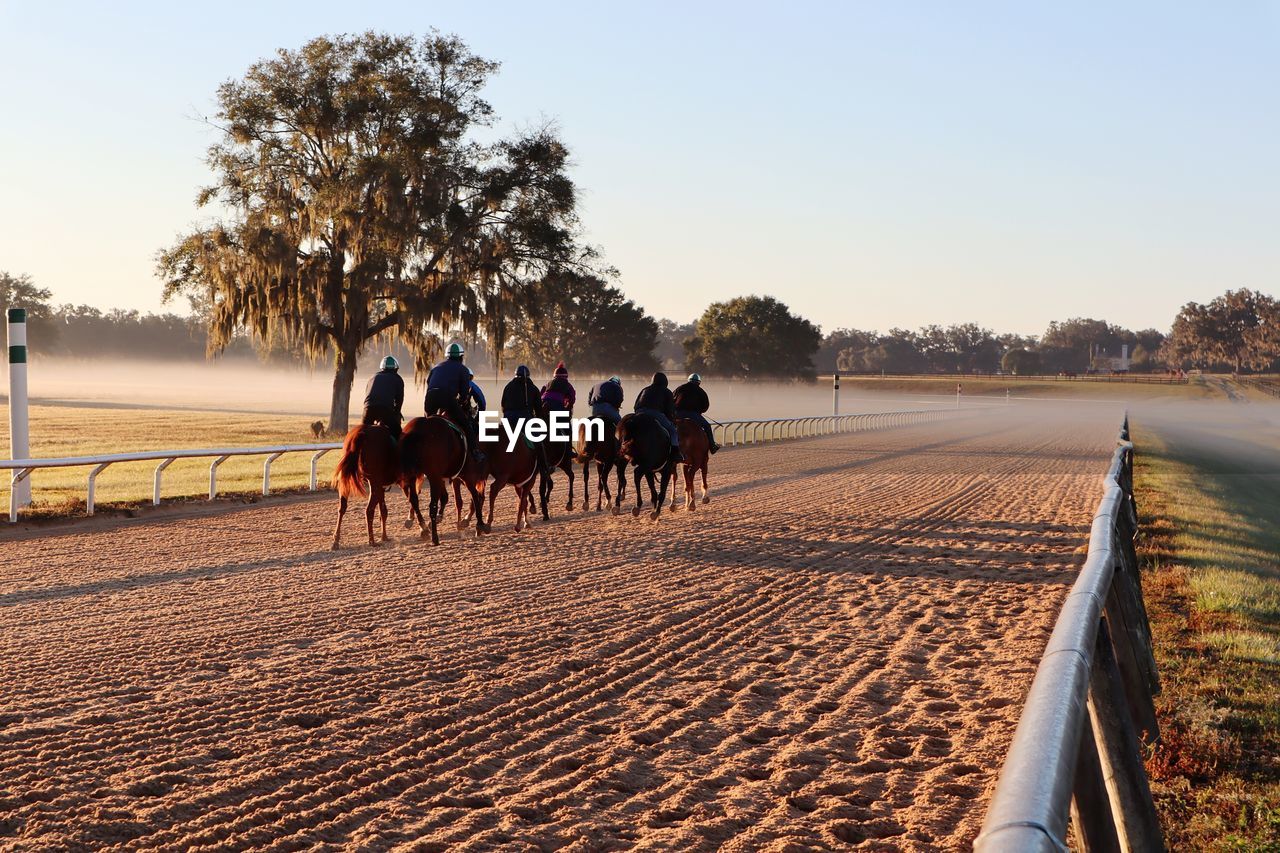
pixel 22 468
pixel 1076 755
pixel 730 433
pixel 1080 376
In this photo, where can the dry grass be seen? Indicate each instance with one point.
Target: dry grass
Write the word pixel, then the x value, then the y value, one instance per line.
pixel 997 386
pixel 1213 592
pixel 79 431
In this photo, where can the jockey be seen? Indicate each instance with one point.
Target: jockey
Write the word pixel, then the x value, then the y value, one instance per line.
pixel 384 396
pixel 655 399
pixel 474 398
pixel 605 400
pixel 448 385
pixel 521 399
pixel 558 394
pixel 692 404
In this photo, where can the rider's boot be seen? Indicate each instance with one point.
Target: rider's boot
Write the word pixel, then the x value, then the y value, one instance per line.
pixel 676 455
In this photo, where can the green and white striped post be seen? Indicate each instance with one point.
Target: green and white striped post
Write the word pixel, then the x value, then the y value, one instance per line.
pixel 19 427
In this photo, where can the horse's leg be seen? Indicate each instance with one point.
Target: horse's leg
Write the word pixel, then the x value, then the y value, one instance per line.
pixel 586 479
pixel 524 499
pixel 457 499
pixel 602 485
pixel 655 498
pixel 382 505
pixel 667 473
pixel 706 492
pixel 439 492
pixel 493 497
pixel 688 488
pixel 568 469
pixel 369 509
pixel 639 500
pixel 477 507
pixel 342 510
pixel 545 485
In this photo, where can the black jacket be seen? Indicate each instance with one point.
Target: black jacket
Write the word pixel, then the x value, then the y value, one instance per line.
pixel 657 396
pixel 606 392
pixel 385 388
pixel 691 398
pixel 521 395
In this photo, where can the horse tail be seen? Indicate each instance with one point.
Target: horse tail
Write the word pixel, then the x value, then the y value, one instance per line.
pixel 346 475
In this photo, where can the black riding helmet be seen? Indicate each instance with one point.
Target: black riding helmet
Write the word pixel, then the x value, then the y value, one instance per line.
pixel 522 372
pixel 660 379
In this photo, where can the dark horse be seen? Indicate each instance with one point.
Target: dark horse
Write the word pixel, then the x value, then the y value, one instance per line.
pixel 559 454
pixel 645 445
pixel 433 449
pixel 368 456
pixel 696 451
pixel 604 453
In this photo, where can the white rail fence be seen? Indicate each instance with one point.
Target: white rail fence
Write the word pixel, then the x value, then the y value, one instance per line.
pixel 731 433
pixel 1076 757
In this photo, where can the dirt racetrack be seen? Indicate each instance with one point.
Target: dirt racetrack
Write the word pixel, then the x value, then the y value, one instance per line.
pixel 830 655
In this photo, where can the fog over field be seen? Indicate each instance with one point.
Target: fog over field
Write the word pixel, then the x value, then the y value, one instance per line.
pixel 246 387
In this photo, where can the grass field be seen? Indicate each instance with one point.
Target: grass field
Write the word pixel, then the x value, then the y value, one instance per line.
pixel 78 431
pixel 1210 497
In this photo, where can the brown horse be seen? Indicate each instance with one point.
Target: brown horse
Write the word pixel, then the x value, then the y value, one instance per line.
pixel 433 449
pixel 645 444
pixel 697 452
pixel 604 453
pixel 368 457
pixel 517 468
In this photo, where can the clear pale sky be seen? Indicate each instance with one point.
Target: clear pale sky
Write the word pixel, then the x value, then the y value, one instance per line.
pixel 871 164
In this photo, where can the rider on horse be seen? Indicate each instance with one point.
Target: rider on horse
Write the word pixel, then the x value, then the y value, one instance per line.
pixel 657 401
pixel 384 396
pixel 448 385
pixel 605 400
pixel 473 400
pixel 692 404
pixel 521 399
pixel 558 395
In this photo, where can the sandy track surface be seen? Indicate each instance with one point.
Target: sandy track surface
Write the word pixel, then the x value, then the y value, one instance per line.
pixel 830 655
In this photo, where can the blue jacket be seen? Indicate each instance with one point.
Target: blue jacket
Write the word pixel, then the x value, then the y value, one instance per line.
pixel 477 394
pixel 450 375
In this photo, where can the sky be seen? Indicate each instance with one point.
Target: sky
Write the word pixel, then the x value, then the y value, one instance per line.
pixel 870 164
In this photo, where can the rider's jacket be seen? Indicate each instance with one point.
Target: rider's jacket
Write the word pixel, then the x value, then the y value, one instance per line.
pixel 558 394
pixel 450 375
pixel 474 392
pixel 606 392
pixel 657 396
pixel 690 397
pixel 385 388
pixel 520 396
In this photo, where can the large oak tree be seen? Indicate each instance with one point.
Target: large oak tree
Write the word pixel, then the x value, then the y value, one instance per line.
pixel 753 336
pixel 355 200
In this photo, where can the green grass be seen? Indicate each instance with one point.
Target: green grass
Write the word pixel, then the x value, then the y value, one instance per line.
pixel 1210 499
pixel 83 431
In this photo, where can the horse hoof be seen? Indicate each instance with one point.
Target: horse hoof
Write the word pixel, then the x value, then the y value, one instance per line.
pixel 408 523
pixel 334 547
pixel 615 510
pixel 636 512
pixel 706 499
pixel 653 516
pixel 375 544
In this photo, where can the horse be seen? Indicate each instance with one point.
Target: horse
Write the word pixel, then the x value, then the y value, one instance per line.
pixel 432 448
pixel 644 443
pixel 369 456
pixel 517 467
pixel 697 452
pixel 604 453
pixel 559 454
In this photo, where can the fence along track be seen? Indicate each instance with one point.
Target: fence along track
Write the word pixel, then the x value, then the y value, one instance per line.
pixel 1076 755
pixel 730 433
